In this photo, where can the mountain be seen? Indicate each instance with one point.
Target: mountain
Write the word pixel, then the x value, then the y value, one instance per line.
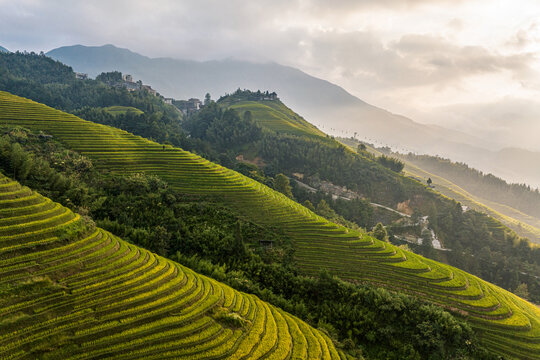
pixel 318 243
pixel 132 210
pixel 514 161
pixel 3 49
pixel 325 104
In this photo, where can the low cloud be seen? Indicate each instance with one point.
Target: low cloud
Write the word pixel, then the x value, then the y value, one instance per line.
pixel 510 122
pixel 413 60
pixel 527 35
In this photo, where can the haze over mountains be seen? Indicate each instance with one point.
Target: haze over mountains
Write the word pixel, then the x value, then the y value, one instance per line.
pixel 328 106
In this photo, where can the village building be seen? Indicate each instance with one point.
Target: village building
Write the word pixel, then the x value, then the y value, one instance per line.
pixel 149 89
pixel 81 76
pixel 188 106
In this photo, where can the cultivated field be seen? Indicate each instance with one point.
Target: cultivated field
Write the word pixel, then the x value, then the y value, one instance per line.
pixel 507 324
pixel 73 291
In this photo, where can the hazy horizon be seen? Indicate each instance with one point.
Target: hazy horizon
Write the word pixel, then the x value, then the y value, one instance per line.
pixel 471 66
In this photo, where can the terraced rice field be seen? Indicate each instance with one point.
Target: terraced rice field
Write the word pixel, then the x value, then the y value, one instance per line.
pixel 122 110
pixel 274 115
pixel 507 323
pixel 89 294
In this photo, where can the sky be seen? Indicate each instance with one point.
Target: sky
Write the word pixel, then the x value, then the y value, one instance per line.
pixel 472 65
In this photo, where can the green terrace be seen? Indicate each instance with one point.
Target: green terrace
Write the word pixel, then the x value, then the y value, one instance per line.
pixel 274 115
pixel 318 243
pixel 73 291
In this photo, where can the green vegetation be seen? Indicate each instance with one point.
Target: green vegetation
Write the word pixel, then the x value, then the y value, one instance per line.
pixel 282 184
pixel 53 83
pixel 497 253
pixel 391 163
pixel 122 110
pixel 318 243
pixel 519 196
pixel 271 114
pixel 71 290
pixel 200 234
pixel 481 192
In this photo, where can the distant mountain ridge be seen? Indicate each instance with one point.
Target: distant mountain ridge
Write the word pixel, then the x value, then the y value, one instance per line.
pixel 322 103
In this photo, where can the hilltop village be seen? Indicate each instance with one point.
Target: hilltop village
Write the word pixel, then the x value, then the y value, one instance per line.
pixel 187 107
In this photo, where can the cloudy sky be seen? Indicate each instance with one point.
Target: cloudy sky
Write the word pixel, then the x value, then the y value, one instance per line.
pixel 471 64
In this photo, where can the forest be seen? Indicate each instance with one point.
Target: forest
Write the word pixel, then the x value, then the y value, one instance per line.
pixel 50 82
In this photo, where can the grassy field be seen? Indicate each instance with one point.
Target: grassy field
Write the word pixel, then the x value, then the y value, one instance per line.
pixel 508 324
pixel 73 291
pixel 122 110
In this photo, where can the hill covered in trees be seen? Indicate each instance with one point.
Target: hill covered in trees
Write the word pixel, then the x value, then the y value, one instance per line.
pixel 208 237
pixel 490 310
pixel 519 196
pixel 479 244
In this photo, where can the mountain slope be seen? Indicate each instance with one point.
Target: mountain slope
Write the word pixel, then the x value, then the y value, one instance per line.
pixel 3 49
pixel 328 106
pixel 524 221
pixel 318 242
pixel 523 224
pixel 270 114
pixel 73 291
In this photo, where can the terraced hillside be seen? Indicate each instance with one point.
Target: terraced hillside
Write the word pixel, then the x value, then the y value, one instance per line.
pixel 73 291
pixel 274 115
pixel 508 324
pixel 523 224
pixel 122 110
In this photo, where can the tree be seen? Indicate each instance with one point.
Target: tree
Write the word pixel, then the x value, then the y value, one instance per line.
pixel 282 184
pixel 309 205
pixel 429 181
pixel 379 232
pixel 391 163
pixel 21 162
pixel 207 99
pixel 248 116
pixel 239 248
pixel 110 78
pixel 522 290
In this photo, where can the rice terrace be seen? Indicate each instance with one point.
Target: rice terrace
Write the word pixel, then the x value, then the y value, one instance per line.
pixel 288 180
